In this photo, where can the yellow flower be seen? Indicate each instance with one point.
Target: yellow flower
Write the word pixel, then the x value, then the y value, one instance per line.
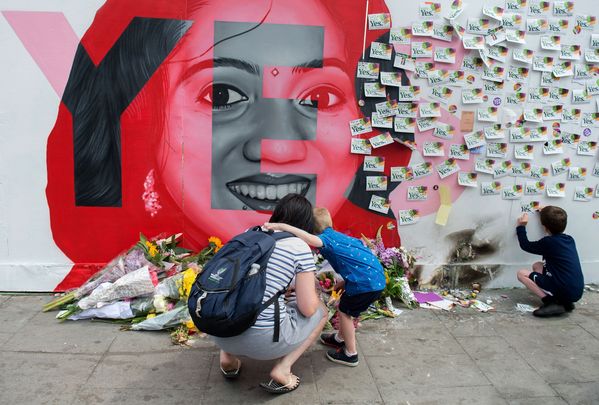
pixel 150 316
pixel 213 240
pixel 335 296
pixel 189 276
pixel 387 279
pixel 152 250
pixel 189 324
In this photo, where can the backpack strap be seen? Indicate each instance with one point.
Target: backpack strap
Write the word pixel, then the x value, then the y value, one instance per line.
pixel 282 235
pixel 277 324
pixel 275 298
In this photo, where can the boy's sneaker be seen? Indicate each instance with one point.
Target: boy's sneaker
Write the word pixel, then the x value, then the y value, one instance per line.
pixel 548 310
pixel 339 356
pixel 569 306
pixel 329 340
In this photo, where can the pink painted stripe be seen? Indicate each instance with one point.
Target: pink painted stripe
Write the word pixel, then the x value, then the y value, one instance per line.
pixel 49 39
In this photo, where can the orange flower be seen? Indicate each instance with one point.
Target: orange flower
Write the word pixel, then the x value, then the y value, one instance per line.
pixel 213 240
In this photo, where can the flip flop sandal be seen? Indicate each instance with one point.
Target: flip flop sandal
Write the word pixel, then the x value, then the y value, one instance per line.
pixel 231 374
pixel 275 387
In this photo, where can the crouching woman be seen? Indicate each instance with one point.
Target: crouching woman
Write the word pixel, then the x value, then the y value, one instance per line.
pixel 301 320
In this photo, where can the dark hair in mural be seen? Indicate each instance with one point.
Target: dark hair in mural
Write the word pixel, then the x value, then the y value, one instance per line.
pixel 357 194
pixel 554 219
pixel 295 210
pixel 97 96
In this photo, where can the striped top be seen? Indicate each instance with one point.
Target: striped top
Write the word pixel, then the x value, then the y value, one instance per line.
pixel 290 256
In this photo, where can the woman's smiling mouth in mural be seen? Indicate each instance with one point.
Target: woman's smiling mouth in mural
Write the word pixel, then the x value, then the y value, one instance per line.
pixel 261 192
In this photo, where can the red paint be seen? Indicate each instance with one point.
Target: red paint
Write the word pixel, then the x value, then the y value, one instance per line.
pixel 178 146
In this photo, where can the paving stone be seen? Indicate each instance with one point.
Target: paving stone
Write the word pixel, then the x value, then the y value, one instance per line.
pixel 408 373
pixel 44 333
pixel 138 396
pixel 505 368
pixel 560 353
pixel 538 401
pixel 460 325
pixel 580 393
pixel 175 370
pixel 150 341
pixel 486 395
pixel 588 319
pixel 408 319
pixel 341 384
pixel 4 337
pixel 35 378
pixel 18 311
pixel 245 389
pixel 434 341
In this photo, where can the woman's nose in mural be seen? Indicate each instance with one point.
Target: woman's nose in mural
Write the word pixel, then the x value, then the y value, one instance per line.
pixel 284 128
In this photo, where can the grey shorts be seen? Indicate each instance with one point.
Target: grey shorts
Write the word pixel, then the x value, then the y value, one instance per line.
pixel 257 343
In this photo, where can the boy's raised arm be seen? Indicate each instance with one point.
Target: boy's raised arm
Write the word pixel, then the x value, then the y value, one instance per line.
pixel 537 247
pixel 310 239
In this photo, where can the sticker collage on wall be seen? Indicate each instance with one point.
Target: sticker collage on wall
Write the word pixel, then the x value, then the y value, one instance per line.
pixel 520 80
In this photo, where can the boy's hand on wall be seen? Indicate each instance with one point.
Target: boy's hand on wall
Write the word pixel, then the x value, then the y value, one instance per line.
pixel 523 219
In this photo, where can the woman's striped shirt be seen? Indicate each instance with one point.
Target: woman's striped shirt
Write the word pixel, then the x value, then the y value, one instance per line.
pixel 290 257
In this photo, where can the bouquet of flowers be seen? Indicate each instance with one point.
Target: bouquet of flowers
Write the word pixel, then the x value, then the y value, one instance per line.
pixel 326 280
pixel 397 263
pixel 146 287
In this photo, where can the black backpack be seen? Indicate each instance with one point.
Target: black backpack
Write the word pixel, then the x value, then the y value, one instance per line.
pixel 226 297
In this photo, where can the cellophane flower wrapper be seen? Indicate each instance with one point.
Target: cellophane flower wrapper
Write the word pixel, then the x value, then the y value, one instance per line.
pixel 134 284
pixel 406 295
pixel 123 264
pixel 114 310
pixel 141 306
pixel 166 320
pixel 177 286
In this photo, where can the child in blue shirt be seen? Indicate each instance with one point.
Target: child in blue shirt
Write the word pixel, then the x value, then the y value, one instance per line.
pixel 558 281
pixel 362 274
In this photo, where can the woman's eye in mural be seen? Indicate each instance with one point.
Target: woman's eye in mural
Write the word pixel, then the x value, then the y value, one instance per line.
pixel 325 97
pixel 221 96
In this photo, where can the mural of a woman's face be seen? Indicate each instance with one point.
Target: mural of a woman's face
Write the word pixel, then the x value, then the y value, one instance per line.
pixel 259 115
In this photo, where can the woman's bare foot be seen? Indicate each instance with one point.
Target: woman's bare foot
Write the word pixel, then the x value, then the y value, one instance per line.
pixel 228 362
pixel 283 376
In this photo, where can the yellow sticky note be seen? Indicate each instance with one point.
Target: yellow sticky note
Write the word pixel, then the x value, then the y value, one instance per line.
pixel 445 195
pixel 444 207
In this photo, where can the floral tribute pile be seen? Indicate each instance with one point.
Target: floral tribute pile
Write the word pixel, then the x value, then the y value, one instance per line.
pixel 145 288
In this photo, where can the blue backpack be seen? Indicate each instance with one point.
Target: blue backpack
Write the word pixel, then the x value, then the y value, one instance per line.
pixel 226 297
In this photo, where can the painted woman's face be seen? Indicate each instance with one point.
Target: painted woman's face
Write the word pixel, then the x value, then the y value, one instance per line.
pixel 262 114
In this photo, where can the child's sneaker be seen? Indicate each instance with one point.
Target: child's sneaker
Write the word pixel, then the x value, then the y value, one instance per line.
pixel 547 310
pixel 339 356
pixel 329 340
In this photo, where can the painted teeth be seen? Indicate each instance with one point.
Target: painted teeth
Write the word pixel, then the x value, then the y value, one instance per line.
pixel 267 192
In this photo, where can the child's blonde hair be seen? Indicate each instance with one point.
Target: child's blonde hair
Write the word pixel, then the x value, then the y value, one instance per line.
pixel 322 219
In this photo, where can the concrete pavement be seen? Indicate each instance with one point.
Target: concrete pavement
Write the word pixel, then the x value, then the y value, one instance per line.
pixel 421 357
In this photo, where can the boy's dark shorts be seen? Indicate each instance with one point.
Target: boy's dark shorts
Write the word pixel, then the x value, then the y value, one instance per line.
pixel 354 305
pixel 563 295
pixel 545 282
